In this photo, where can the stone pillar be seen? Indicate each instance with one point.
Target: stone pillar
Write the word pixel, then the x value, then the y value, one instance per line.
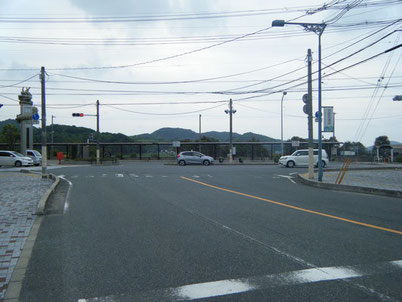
pixel 25 120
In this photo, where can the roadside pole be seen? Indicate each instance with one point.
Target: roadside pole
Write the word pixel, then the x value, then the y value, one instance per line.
pixel 231 111
pixel 97 134
pixel 199 130
pixel 43 105
pixel 310 118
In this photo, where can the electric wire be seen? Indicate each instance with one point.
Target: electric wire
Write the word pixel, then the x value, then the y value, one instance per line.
pixel 20 82
pixel 164 114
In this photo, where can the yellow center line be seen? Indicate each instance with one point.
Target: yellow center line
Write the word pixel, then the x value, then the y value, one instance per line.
pixel 296 208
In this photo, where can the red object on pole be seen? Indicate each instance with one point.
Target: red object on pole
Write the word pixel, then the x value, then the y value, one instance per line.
pixel 59 156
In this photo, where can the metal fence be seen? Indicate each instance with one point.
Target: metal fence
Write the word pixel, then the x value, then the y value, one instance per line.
pixel 165 150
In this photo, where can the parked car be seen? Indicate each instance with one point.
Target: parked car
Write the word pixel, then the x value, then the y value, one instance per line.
pixel 12 158
pixel 36 156
pixel 192 157
pixel 300 158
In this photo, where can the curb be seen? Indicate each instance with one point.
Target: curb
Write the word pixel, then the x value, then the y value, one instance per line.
pixel 15 284
pixel 357 189
pixel 40 209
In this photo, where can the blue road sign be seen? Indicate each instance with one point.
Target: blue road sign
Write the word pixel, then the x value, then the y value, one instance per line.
pixel 1 105
pixel 35 116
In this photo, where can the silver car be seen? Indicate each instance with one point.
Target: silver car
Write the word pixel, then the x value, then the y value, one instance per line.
pixel 12 158
pixel 36 156
pixel 192 157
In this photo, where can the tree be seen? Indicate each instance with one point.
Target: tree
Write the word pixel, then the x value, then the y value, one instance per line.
pixel 9 134
pixel 358 147
pixel 381 140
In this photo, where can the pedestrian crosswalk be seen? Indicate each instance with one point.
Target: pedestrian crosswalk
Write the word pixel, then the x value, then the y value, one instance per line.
pixel 133 176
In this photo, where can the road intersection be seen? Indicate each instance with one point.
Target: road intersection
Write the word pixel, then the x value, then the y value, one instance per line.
pixel 147 231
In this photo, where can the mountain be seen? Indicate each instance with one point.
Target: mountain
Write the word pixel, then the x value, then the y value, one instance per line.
pixel 9 121
pixel 73 134
pixel 167 135
pixel 70 134
pixel 172 134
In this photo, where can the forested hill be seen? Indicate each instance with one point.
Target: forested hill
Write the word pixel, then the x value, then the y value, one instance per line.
pixel 73 134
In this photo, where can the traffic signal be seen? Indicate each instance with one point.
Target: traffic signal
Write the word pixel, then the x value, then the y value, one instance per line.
pixel 78 114
pixel 306 100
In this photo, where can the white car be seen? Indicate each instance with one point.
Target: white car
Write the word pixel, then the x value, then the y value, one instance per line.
pixel 300 158
pixel 36 157
pixel 12 158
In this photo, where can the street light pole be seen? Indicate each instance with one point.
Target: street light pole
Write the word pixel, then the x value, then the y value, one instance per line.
pixel 319 107
pixel 283 95
pixel 317 28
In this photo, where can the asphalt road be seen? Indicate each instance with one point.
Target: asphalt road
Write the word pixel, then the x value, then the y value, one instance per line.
pixel 149 232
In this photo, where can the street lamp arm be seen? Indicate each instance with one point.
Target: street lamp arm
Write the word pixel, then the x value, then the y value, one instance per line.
pixel 317 28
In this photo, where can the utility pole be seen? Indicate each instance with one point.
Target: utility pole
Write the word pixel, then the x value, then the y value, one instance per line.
pixel 310 117
pixel 199 130
pixel 97 134
pixel 43 105
pixel 283 95
pixel 52 137
pixel 231 111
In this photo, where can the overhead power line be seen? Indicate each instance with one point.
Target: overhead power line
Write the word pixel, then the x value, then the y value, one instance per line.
pixel 165 114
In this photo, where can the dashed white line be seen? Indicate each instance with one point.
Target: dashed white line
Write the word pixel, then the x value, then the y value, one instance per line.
pixel 134 175
pixel 119 175
pixel 196 176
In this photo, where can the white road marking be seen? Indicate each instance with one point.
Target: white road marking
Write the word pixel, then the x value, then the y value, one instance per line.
pixel 164 176
pixel 234 286
pixel 74 176
pixel 288 177
pixel 212 289
pixel 209 175
pixel 104 175
pixel 133 175
pixel 148 176
pixel 196 176
pixel 293 173
pixel 66 204
pixel 90 176
pixel 119 175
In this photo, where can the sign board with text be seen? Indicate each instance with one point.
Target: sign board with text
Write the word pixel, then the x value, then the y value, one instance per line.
pixel 328 115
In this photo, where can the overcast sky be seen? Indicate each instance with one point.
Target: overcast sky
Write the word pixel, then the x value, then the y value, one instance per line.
pixel 161 63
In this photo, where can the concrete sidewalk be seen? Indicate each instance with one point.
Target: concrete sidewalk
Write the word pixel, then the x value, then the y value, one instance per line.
pixel 19 196
pixel 381 180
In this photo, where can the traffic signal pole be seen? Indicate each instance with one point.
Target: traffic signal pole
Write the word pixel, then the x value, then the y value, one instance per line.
pixel 310 118
pixel 97 129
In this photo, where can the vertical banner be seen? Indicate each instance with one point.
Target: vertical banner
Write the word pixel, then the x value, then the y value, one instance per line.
pixel 328 114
